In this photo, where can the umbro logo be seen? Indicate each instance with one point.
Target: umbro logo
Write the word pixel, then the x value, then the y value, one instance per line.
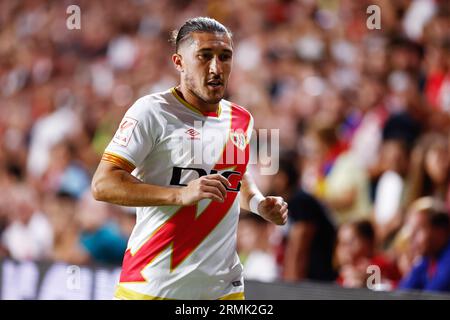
pixel 192 133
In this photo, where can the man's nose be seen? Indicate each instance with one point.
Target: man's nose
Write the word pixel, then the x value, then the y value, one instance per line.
pixel 215 66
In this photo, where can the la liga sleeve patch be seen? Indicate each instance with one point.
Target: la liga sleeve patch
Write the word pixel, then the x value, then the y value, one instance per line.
pixel 125 131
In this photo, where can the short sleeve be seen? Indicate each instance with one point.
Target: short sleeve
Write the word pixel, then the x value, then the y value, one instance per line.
pixel 136 136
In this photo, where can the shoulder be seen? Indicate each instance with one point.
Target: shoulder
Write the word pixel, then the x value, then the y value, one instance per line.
pixel 304 198
pixel 240 109
pixel 149 106
pixel 149 103
pixel 241 113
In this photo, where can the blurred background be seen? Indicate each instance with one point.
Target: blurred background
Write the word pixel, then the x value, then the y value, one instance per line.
pixel 364 119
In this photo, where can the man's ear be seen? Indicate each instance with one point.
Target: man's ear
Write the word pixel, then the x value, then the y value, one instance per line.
pixel 178 61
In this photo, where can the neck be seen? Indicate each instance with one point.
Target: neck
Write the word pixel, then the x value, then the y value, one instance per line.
pixel 194 100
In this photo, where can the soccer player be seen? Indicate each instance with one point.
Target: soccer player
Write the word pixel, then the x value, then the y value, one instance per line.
pixel 184 243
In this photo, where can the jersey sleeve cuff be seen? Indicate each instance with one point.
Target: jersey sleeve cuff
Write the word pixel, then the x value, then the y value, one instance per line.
pixel 118 161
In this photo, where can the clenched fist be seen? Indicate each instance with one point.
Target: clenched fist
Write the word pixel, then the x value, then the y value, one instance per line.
pixel 274 209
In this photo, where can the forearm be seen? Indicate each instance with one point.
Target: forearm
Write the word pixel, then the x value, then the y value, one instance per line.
pixel 271 208
pixel 298 250
pixel 248 190
pixel 295 266
pixel 121 188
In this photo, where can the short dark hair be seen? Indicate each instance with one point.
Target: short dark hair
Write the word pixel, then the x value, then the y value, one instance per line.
pixel 440 219
pixel 364 229
pixel 288 165
pixel 198 24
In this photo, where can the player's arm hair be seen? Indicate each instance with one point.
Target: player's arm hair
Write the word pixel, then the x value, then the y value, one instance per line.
pixel 248 190
pixel 297 252
pixel 114 184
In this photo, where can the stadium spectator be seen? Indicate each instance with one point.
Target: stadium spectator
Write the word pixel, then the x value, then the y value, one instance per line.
pixel 389 189
pixel 101 237
pixel 355 252
pixel 347 189
pixel 61 209
pixel 429 230
pixel 63 173
pixel 311 233
pixel 29 235
pixel 430 168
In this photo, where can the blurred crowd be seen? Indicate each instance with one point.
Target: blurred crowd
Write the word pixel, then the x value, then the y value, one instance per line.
pixel 364 119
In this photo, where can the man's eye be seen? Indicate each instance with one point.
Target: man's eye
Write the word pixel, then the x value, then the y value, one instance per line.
pixel 225 57
pixel 205 56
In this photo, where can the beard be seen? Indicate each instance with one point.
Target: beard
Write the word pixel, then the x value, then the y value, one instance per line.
pixel 197 91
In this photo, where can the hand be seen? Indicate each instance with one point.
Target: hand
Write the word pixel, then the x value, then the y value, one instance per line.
pixel 274 209
pixel 211 186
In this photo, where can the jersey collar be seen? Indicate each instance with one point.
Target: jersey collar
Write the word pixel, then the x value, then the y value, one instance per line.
pixel 195 109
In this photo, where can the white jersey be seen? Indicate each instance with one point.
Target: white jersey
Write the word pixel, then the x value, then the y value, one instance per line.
pixel 179 252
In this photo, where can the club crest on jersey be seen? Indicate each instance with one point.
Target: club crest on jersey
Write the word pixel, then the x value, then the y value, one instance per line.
pixel 125 131
pixel 239 139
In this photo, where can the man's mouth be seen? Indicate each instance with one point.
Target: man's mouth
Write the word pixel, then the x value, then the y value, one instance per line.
pixel 216 83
